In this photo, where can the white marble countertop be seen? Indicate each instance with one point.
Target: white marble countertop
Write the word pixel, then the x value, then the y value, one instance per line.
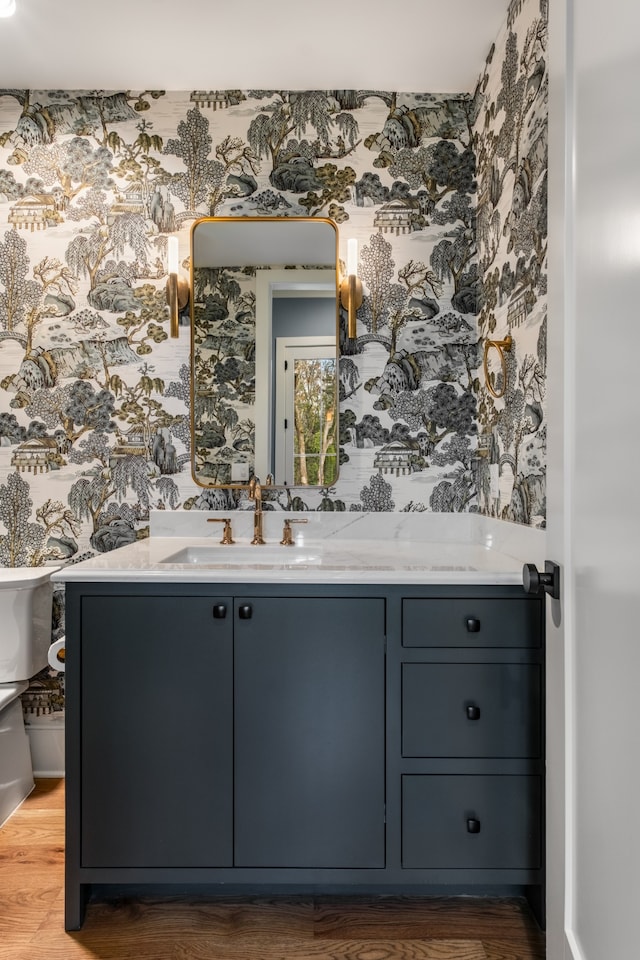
pixel 345 548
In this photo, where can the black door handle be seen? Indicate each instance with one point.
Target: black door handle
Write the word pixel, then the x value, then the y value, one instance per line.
pixel 245 611
pixel 473 826
pixel 473 711
pixel 219 611
pixel 536 582
pixel 473 625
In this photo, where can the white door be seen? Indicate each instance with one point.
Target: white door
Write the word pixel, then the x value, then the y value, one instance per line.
pixel 593 634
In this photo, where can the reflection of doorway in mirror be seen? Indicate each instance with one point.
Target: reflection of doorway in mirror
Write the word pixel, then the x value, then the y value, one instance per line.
pixel 294 303
pixel 305 443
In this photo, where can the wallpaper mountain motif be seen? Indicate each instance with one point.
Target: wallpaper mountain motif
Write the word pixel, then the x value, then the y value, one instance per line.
pixel 447 197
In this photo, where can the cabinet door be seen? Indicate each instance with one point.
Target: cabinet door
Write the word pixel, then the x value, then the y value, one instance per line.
pixel 309 732
pixel 156 731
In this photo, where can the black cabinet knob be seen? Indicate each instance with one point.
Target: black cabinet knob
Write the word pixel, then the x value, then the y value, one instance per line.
pixel 473 826
pixel 473 711
pixel 473 624
pixel 219 611
pixel 245 611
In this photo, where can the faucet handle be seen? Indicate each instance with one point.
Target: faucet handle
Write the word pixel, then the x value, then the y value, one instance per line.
pixel 254 488
pixel 287 537
pixel 227 533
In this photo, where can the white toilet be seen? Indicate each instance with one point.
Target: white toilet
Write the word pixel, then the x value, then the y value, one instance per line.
pixel 25 636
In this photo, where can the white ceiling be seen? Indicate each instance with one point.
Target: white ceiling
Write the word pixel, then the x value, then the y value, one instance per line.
pixel 436 46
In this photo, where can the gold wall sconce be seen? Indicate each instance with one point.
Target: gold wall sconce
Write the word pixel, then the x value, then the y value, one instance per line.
pixel 351 288
pixel 177 287
pixel 501 346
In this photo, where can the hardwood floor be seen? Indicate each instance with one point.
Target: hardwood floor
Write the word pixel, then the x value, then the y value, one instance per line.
pixel 320 928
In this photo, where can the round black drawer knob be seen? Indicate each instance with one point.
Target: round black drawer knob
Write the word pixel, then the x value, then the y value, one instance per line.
pixel 219 611
pixel 473 712
pixel 245 611
pixel 473 826
pixel 473 625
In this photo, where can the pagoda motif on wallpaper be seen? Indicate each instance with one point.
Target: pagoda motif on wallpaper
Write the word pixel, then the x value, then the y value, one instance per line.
pixel 446 195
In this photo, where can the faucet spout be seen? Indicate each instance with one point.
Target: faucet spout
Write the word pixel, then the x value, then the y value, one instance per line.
pixel 255 494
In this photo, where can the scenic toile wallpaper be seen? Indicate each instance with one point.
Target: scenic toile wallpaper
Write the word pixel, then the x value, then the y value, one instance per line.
pixel 446 195
pixel 510 140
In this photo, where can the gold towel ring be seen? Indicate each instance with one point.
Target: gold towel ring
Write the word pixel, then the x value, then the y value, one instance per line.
pixel 500 346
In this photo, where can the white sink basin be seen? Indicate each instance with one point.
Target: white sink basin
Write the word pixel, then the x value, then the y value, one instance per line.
pixel 233 555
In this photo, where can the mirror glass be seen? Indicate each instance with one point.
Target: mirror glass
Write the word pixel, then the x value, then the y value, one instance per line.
pixel 264 350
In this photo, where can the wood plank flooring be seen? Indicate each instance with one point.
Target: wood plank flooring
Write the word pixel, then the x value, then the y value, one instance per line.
pixel 309 928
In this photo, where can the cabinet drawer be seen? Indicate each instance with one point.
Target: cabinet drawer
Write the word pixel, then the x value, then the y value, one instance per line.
pixel 471 623
pixel 471 710
pixel 457 822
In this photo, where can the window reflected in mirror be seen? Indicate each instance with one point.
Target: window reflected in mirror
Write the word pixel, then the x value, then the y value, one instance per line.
pixel 306 452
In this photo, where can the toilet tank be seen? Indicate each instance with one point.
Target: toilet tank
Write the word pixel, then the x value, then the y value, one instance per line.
pixel 25 621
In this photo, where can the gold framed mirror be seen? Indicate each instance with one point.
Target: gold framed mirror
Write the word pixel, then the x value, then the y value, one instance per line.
pixel 264 350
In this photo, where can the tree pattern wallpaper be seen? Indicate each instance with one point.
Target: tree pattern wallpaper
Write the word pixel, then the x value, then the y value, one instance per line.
pixel 447 197
pixel 510 145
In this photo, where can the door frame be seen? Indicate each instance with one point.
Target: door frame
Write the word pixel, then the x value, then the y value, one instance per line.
pixel 560 377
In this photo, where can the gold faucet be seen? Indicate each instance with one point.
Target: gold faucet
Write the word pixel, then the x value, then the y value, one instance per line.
pixel 255 494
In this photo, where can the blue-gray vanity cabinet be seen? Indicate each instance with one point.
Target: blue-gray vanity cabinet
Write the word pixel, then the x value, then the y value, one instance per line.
pixel 280 738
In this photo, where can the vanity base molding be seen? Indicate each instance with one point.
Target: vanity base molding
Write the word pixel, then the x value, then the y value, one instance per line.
pixel 247 739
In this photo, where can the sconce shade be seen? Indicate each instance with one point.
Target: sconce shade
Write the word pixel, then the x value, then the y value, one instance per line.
pixel 351 288
pixel 352 257
pixel 172 254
